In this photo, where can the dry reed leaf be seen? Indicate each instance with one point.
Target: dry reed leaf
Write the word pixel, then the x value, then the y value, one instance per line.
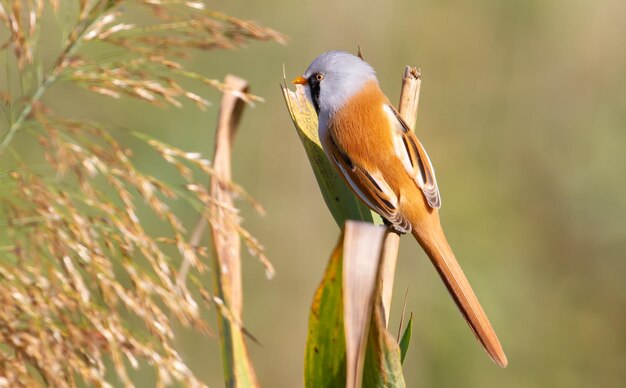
pixel 225 237
pixel 226 244
pixel 362 248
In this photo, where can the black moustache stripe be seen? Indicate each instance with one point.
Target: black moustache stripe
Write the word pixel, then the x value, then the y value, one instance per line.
pixel 314 85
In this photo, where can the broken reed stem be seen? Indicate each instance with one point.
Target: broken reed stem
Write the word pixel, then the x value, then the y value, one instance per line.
pixel 409 100
pixel 410 95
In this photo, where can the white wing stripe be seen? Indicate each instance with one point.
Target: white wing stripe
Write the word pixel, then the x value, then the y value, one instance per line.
pixel 399 135
pixel 398 143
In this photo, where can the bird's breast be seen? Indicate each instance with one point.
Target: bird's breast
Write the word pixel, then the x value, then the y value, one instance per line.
pixel 360 127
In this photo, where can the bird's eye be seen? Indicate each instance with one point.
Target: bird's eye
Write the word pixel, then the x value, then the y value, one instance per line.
pixel 319 76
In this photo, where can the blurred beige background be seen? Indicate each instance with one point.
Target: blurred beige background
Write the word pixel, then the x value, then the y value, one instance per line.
pixel 523 114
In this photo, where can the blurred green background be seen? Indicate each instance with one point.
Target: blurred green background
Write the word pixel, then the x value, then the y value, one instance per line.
pixel 523 113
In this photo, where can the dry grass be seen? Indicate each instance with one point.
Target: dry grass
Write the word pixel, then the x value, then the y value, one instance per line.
pixel 77 264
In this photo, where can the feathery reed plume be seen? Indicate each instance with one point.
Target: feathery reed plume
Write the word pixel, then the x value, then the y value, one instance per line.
pixel 77 264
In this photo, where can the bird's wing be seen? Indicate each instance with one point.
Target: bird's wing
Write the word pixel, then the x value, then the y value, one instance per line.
pixel 414 157
pixel 369 186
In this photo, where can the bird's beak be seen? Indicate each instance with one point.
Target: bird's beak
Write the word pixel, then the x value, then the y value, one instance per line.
pixel 299 81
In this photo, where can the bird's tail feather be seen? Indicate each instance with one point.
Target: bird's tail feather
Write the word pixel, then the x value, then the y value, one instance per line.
pixel 434 242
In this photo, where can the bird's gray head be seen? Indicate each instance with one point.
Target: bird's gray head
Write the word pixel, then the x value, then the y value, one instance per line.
pixel 334 77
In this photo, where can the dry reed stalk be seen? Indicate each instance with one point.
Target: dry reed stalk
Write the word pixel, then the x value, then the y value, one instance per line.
pixel 409 100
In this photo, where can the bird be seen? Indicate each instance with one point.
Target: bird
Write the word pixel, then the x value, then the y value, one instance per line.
pixel 385 165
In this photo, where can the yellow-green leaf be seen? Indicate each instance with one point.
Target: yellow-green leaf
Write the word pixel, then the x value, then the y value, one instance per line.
pixel 406 338
pixel 339 199
pixel 383 367
pixel 325 358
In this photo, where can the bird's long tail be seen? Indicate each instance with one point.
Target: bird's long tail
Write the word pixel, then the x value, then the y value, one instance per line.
pixel 430 236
